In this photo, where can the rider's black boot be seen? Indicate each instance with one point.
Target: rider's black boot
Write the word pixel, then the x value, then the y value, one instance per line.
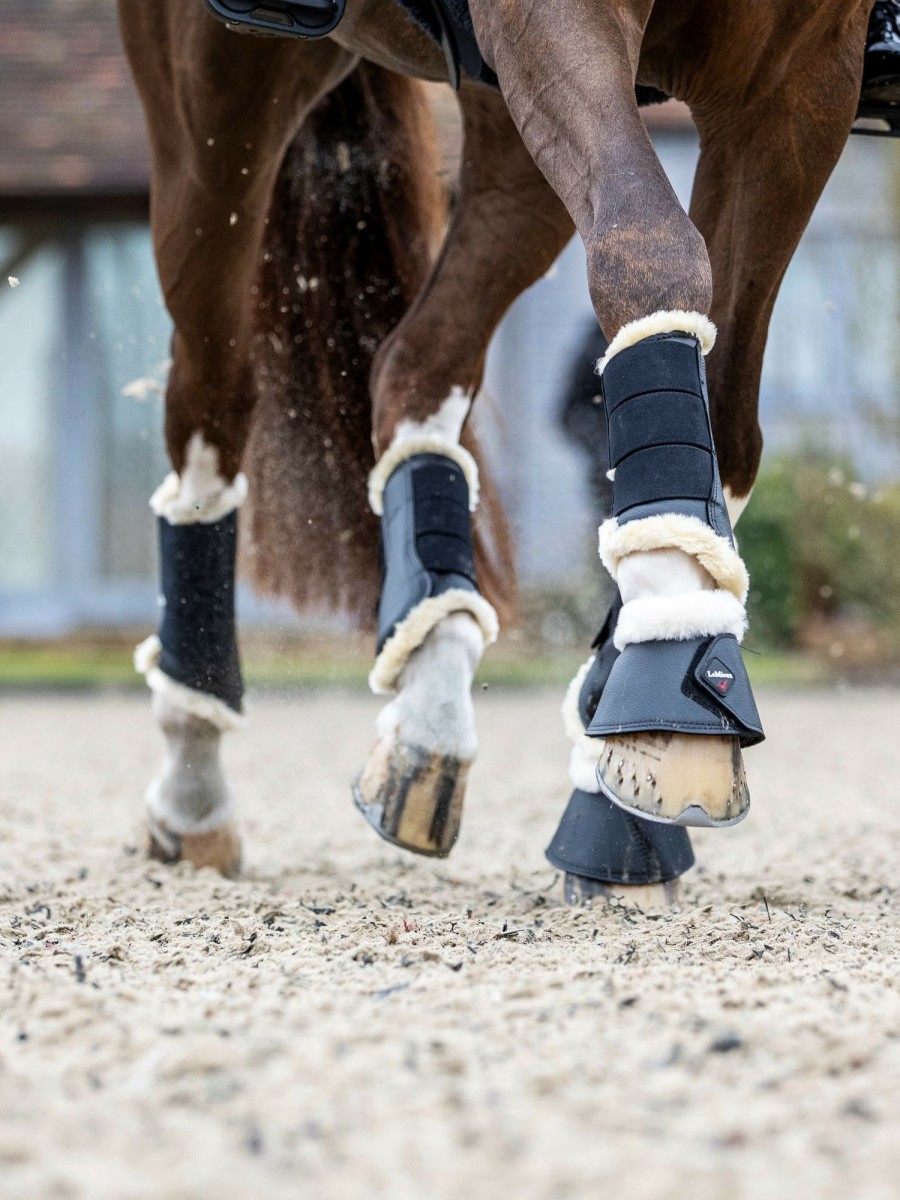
pixel 880 97
pixel 881 72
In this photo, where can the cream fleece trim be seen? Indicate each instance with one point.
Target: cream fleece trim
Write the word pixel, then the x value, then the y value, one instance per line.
pixel 586 751
pixel 415 628
pixel 675 321
pixel 166 502
pixel 399 451
pixel 198 704
pixel 571 711
pixel 674 531
pixel 677 618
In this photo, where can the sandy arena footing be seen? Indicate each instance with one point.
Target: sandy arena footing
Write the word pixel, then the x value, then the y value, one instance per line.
pixel 348 1021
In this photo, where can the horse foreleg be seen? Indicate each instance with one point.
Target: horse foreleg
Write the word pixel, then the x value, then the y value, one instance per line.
pixel 677 705
pixel 221 111
pixel 752 201
pixel 434 624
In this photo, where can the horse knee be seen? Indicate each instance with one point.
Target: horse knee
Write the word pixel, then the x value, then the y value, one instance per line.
pixel 648 259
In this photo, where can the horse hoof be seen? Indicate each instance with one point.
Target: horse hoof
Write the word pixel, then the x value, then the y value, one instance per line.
pixel 218 848
pixel 676 778
pixel 648 897
pixel 412 797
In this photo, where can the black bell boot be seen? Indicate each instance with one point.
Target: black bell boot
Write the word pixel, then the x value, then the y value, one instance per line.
pixel 597 842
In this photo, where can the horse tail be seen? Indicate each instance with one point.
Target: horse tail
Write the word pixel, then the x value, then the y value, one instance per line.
pixel 356 218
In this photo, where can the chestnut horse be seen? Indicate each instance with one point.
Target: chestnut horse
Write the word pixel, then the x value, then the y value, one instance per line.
pixel 329 330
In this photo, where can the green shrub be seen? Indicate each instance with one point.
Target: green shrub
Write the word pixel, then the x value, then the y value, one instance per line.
pixel 822 547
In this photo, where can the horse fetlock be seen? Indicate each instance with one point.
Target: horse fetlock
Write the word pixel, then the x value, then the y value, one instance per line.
pixel 413 785
pixel 189 803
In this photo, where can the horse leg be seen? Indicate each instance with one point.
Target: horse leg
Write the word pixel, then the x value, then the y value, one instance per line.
pixel 677 706
pixel 752 202
pixel 433 626
pixel 221 111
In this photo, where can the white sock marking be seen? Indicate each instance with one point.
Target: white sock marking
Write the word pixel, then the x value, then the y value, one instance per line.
pixel 444 426
pixel 433 708
pixel 190 794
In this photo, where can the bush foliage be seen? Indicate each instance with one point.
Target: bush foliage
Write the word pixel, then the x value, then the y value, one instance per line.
pixel 823 552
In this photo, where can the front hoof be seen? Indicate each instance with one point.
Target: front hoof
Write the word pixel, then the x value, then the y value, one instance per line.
pixel 676 778
pixel 412 797
pixel 218 848
pixel 648 897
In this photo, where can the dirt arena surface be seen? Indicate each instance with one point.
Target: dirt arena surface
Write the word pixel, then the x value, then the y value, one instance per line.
pixel 348 1022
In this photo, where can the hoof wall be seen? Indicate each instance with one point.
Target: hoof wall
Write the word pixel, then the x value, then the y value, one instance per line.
pixel 676 778
pixel 412 797
pixel 219 848
pixel 649 897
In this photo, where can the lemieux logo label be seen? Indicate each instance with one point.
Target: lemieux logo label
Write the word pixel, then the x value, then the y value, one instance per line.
pixel 719 676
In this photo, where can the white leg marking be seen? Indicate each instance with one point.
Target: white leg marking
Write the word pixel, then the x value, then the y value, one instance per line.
pixel 445 425
pixel 201 477
pixel 190 794
pixel 200 494
pixel 735 504
pixel 433 708
pixel 437 434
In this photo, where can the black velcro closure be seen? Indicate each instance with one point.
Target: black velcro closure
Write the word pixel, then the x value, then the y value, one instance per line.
pixel 197 630
pixel 441 553
pixel 663 473
pixel 670 364
pixel 443 523
pixel 657 419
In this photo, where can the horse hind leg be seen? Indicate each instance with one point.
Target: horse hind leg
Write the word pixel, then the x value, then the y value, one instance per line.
pixel 434 622
pixel 218 143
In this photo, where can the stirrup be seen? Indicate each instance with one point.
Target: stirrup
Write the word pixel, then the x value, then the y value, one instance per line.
pixel 874 119
pixel 285 18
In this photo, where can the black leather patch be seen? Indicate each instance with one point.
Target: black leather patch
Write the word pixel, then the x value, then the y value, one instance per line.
pixel 443 523
pixel 663 473
pixel 722 658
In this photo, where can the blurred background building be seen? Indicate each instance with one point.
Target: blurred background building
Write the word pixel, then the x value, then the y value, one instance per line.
pixel 84 340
